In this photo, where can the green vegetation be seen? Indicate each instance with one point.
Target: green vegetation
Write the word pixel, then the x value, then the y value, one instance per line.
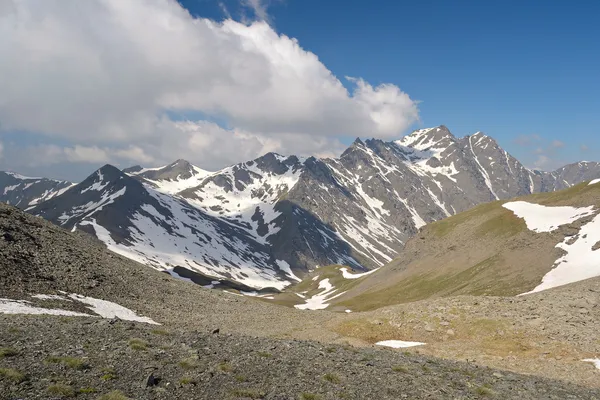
pixel 114 395
pixel 332 378
pixel 264 354
pixel 400 368
pixel 189 363
pixel 138 344
pixel 7 352
pixel 225 367
pixel 241 378
pixel 70 362
pixel 248 393
pixel 11 374
pixel 187 380
pixel 484 390
pixel 61 390
pixel 309 396
pixel 109 374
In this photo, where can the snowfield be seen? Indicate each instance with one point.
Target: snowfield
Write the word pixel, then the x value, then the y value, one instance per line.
pixel 103 308
pixel 541 218
pixel 580 261
pixel 398 344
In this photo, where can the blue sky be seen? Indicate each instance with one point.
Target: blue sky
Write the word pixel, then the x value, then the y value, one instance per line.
pixel 108 81
pixel 508 68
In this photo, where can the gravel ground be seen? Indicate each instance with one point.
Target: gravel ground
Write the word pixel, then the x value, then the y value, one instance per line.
pixel 86 358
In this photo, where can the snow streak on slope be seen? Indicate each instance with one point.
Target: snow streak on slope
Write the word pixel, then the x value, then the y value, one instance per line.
pixel 182 236
pixel 541 218
pixel 92 207
pixel 484 173
pixel 317 302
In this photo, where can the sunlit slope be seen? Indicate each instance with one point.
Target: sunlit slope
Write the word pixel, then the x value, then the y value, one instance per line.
pixel 489 250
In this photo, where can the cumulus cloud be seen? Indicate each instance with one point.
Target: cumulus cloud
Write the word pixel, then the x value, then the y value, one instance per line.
pixel 557 144
pixel 543 153
pixel 105 75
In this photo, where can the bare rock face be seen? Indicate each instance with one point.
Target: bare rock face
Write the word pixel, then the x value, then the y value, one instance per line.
pixel 267 221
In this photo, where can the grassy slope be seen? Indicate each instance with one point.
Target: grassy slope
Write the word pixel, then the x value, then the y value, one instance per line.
pixel 484 251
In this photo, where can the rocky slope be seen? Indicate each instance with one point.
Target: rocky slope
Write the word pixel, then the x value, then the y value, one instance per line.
pixel 268 222
pixel 209 345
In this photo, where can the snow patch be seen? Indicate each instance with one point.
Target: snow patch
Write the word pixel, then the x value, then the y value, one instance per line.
pixel 594 182
pixel 317 302
pixel 595 361
pixel 9 306
pixel 398 344
pixel 541 218
pixel 348 275
pixel 108 309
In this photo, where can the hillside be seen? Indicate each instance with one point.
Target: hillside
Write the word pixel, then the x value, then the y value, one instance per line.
pixel 208 344
pixel 491 250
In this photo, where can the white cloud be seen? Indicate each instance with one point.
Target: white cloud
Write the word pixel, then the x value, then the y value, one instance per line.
pixel 557 144
pixel 102 74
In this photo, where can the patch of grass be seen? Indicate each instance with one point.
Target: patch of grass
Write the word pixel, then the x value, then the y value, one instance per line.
pixel 7 352
pixel 188 380
pixel 225 367
pixel 264 354
pixel 87 390
pixel 333 378
pixel 70 362
pixel 248 393
pixel 330 349
pixel 14 329
pixel 61 390
pixel 138 344
pixel 484 390
pixel 241 378
pixel 189 363
pixel 109 374
pixel 114 395
pixel 309 396
pixel 425 368
pixel 11 374
pixel 400 368
pixel 160 332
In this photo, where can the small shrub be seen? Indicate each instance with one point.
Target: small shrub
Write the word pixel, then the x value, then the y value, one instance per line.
pixel 70 362
pixel 160 332
pixel 109 374
pixel 61 390
pixel 330 349
pixel 333 378
pixel 309 396
pixel 400 368
pixel 114 395
pixel 187 380
pixel 225 367
pixel 7 352
pixel 189 363
pixel 425 368
pixel 241 378
pixel 264 354
pixel 11 374
pixel 484 390
pixel 138 344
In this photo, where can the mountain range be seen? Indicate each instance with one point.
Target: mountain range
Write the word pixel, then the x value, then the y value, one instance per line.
pixel 268 222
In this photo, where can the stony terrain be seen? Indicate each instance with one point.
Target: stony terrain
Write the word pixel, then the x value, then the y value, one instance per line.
pixel 261 349
pixel 90 359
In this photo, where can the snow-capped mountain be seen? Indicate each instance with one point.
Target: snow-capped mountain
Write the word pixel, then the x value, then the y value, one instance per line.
pixel 22 191
pixel 268 221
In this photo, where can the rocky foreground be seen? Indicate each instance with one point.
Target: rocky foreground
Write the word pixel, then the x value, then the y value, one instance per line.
pixel 90 358
pixel 209 344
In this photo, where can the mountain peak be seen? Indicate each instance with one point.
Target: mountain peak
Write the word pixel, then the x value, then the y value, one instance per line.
pixel 423 139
